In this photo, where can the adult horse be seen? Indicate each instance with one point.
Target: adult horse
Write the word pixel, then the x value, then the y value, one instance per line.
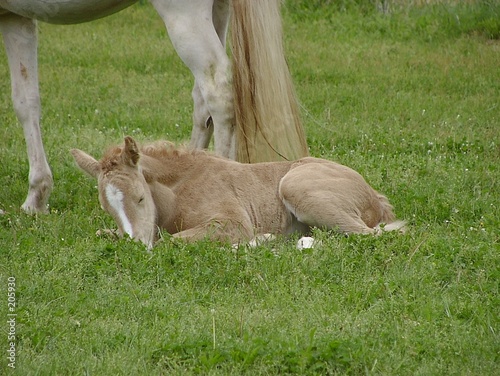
pixel 253 114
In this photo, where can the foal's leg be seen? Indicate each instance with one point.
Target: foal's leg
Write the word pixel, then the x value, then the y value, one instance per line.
pixel 219 228
pixel 19 35
pixel 327 215
pixel 316 198
pixel 193 27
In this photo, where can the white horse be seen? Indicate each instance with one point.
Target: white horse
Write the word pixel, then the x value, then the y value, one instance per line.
pixel 194 195
pixel 253 120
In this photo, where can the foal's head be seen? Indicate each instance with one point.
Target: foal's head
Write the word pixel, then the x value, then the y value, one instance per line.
pixel 123 191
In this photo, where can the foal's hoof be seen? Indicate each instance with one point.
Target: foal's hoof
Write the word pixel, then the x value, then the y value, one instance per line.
pixel 107 233
pixel 306 242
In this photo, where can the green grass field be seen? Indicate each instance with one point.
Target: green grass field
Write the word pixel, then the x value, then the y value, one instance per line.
pixel 410 98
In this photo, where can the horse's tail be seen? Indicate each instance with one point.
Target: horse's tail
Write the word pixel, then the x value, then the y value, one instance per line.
pixel 268 125
pixel 388 218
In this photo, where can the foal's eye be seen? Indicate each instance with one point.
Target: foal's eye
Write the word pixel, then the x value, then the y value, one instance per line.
pixel 141 199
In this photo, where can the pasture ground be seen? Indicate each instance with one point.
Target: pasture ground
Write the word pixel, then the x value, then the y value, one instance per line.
pixel 410 98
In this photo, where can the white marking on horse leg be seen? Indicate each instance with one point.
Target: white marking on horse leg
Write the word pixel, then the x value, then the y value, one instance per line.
pixel 306 242
pixel 20 40
pixel 393 226
pixel 115 200
pixel 261 239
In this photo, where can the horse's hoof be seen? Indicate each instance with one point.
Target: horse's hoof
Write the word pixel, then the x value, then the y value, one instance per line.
pixel 29 208
pixel 306 242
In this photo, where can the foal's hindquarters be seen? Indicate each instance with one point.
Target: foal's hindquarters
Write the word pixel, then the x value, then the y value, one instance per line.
pixel 328 195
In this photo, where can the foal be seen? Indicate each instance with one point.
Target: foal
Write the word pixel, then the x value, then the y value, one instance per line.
pixel 193 194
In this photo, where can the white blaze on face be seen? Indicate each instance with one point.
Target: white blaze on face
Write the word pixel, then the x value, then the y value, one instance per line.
pixel 115 200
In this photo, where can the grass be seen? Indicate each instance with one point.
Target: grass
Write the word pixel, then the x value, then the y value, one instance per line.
pixel 409 102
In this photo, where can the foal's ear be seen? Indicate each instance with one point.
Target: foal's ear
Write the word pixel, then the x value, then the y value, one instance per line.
pixel 130 153
pixel 86 162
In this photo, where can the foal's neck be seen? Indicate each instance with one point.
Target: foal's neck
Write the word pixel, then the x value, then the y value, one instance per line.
pixel 169 169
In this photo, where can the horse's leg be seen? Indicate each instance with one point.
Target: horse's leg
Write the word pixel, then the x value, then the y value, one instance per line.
pixel 202 121
pixel 221 228
pixel 203 126
pixel 316 212
pixel 192 27
pixel 20 38
pixel 318 199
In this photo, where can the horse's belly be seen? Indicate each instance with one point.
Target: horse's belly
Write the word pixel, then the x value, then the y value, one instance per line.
pixel 64 11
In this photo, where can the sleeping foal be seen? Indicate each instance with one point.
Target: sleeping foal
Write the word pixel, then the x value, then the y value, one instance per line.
pixel 193 194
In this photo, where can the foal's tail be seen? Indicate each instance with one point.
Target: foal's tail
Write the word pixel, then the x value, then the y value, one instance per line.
pixel 388 218
pixel 268 125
